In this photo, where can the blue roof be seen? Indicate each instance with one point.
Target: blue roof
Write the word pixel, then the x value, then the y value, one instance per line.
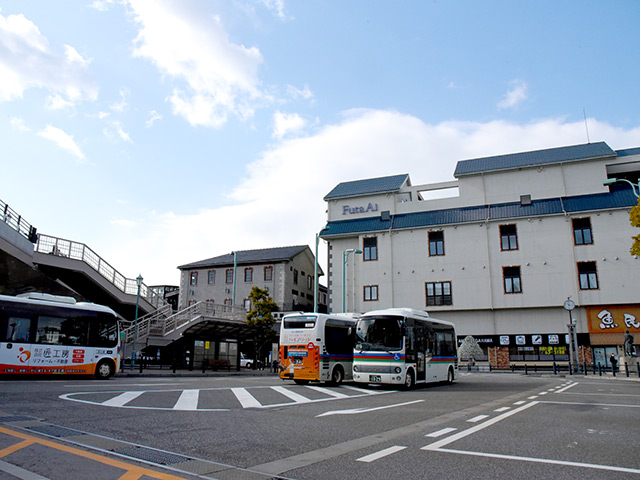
pixel 535 158
pixel 629 151
pixel 620 196
pixel 369 186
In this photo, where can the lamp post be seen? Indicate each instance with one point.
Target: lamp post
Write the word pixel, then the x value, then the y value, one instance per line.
pixel 135 323
pixel 345 258
pixel 634 186
pixel 235 268
pixel 569 305
pixel 315 272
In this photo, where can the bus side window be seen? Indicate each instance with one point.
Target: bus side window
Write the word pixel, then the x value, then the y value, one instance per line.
pixel 286 352
pixel 18 329
pixel 104 332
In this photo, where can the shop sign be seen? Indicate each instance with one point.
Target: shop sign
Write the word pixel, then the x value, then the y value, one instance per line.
pixel 613 319
pixel 371 207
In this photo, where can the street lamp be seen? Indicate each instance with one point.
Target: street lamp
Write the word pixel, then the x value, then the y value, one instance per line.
pixel 315 272
pixel 345 258
pixel 235 268
pixel 135 323
pixel 634 186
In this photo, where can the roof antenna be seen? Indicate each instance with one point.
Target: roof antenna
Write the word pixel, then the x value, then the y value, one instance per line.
pixel 586 127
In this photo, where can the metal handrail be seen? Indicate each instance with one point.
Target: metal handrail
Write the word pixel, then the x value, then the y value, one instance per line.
pixel 79 251
pixel 160 324
pixel 15 221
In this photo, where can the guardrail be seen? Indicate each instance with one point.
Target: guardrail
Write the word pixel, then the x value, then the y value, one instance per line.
pixel 79 251
pixel 19 224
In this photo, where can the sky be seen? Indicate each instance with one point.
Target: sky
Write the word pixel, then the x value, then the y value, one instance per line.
pixel 160 133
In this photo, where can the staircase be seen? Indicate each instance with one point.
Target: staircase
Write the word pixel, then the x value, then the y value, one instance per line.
pixel 164 326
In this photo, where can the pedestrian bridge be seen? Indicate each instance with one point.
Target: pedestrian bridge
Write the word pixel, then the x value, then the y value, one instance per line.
pixel 64 267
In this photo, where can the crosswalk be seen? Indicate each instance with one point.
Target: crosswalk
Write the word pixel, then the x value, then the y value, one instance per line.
pixel 220 399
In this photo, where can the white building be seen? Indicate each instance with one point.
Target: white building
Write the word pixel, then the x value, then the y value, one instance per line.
pixel 521 234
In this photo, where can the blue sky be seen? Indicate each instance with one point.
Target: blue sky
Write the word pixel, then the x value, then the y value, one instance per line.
pixel 162 132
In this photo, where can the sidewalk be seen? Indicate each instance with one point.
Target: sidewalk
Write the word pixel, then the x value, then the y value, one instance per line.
pixel 183 372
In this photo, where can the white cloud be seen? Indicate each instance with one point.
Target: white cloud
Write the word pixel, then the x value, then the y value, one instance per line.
pixel 122 104
pixel 304 93
pixel 214 77
pixel 153 117
pixel 18 123
pixel 515 96
pixel 121 133
pixel 63 140
pixel 280 201
pixel 284 123
pixel 28 61
pixel 276 6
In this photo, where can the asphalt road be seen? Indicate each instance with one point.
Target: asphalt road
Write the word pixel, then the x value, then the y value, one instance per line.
pixel 258 427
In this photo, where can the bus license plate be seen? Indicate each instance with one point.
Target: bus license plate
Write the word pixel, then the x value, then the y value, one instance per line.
pixel 375 378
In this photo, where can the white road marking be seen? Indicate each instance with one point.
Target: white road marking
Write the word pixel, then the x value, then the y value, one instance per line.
pixel 364 390
pixel 365 410
pixel 465 433
pixel 503 409
pixel 326 391
pixel 533 397
pixel 296 397
pixel 188 400
pixel 520 402
pixel 477 419
pixel 245 398
pixel 543 460
pixel 380 454
pixel 122 399
pixel 562 390
pixel 439 433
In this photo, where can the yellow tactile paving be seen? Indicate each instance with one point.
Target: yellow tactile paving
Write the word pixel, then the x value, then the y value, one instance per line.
pixel 132 472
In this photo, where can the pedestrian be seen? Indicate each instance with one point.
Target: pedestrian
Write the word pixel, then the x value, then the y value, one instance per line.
pixel 614 363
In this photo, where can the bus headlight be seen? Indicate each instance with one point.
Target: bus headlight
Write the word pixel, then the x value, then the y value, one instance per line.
pixel 355 368
pixel 398 369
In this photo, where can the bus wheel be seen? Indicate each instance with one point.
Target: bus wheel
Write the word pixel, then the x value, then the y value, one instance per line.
pixel 301 382
pixel 337 376
pixel 105 369
pixel 409 381
pixel 450 376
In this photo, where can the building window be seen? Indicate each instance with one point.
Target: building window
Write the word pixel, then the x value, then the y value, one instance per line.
pixel 439 293
pixel 582 231
pixel 229 275
pixel 309 282
pixel 194 279
pixel 370 293
pixel 247 304
pixel 212 277
pixel 370 248
pixel 436 243
pixel 295 276
pixel 268 274
pixel 512 282
pixel 508 237
pixel 248 275
pixel 588 275
pixel 228 301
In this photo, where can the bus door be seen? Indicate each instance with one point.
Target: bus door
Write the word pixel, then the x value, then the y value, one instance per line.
pixel 429 338
pixel 419 343
pixel 15 349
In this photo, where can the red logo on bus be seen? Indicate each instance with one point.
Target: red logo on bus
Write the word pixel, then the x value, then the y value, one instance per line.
pixel 311 346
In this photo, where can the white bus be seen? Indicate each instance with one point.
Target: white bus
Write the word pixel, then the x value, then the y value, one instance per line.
pixel 50 334
pixel 404 346
pixel 316 347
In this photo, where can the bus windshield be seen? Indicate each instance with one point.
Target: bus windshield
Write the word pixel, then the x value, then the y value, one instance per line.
pixel 379 333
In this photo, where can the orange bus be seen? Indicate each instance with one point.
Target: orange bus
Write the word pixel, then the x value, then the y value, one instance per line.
pixel 316 347
pixel 50 334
